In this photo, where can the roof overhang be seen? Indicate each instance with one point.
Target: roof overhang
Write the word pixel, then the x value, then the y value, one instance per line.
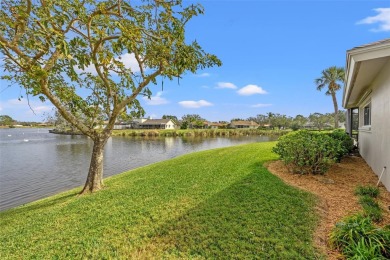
pixel 363 65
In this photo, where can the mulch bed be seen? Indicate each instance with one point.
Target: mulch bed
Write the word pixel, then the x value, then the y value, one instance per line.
pixel 335 190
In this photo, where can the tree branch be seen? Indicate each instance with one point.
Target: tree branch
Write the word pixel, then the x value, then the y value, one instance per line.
pixel 140 64
pixel 78 32
pixel 14 48
pixel 63 111
pixel 98 43
pixel 135 93
pixel 9 55
pixel 22 22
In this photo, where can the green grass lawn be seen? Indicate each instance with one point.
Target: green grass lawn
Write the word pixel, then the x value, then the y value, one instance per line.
pixel 219 204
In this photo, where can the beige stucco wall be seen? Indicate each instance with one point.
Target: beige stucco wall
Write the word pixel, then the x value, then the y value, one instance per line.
pixel 374 143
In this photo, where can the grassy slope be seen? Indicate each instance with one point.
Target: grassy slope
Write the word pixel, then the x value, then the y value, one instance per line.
pixel 215 204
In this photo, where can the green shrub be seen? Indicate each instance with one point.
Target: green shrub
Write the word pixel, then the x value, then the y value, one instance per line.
pixel 346 142
pixel 375 214
pixel 371 208
pixel 308 152
pixel 361 250
pixel 371 191
pixel 295 126
pixel 357 238
pixel 367 201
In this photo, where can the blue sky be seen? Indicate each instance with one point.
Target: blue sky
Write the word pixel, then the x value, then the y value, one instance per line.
pixel 271 52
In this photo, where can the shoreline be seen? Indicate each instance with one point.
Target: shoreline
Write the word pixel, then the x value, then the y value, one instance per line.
pixel 184 132
pixel 58 132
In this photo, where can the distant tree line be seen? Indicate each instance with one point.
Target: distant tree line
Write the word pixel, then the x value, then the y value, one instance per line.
pixel 266 121
pixel 269 120
pixel 6 120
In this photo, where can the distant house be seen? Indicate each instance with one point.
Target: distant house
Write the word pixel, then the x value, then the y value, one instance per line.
pixel 122 125
pixel 244 124
pixel 367 100
pixel 157 124
pixel 134 124
pixel 216 125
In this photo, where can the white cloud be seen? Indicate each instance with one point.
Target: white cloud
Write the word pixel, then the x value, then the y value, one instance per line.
pixel 35 105
pixel 251 90
pixel 128 60
pixel 41 109
pixel 226 85
pixel 89 69
pixel 382 19
pixel 23 110
pixel 203 75
pixel 195 104
pixel 261 105
pixel 156 100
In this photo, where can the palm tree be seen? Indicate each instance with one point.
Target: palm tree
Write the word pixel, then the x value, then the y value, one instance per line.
pixel 329 78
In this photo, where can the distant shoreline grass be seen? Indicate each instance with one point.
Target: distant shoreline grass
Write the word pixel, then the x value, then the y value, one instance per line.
pixel 221 203
pixel 197 132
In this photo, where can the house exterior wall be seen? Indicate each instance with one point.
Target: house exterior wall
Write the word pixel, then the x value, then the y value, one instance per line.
pixel 374 141
pixel 170 125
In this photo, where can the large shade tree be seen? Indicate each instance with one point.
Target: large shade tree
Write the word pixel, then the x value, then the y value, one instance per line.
pixel 76 54
pixel 330 79
pixel 6 120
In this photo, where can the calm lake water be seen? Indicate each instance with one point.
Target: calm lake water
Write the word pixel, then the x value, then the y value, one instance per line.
pixel 35 164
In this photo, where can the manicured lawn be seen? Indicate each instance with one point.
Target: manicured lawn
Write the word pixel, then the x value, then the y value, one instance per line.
pixel 215 204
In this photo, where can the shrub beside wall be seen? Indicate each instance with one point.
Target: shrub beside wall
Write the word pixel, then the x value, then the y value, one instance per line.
pixel 312 152
pixel 345 140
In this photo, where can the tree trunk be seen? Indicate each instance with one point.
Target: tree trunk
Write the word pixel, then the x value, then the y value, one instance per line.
pixel 95 174
pixel 336 111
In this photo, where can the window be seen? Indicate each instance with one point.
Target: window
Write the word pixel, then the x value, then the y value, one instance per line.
pixel 367 115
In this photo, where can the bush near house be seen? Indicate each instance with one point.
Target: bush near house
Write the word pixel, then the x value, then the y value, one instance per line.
pixel 310 152
pixel 346 142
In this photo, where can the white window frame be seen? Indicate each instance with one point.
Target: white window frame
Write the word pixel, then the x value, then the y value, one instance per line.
pixel 363 125
pixel 365 116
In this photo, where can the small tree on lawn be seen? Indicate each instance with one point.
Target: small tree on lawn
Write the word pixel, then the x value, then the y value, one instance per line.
pixel 92 59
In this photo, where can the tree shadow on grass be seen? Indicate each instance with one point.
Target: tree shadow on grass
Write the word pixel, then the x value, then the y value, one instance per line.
pixel 256 217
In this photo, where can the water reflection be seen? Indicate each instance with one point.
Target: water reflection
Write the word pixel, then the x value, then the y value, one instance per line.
pixel 47 163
